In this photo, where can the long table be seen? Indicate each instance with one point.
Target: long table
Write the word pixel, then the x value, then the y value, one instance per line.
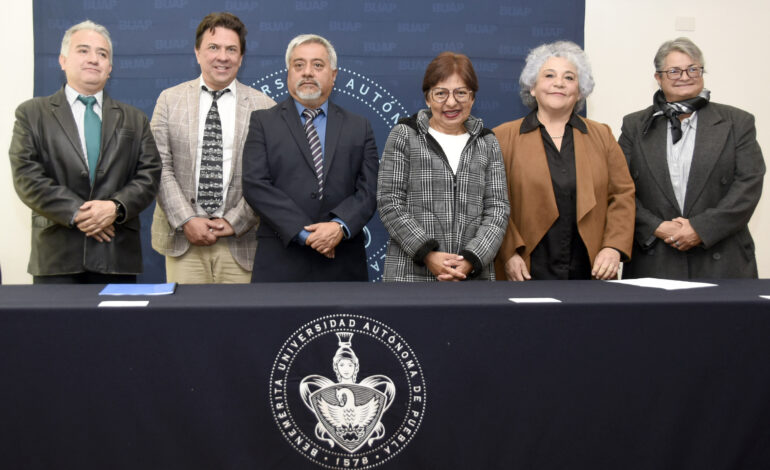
pixel 449 376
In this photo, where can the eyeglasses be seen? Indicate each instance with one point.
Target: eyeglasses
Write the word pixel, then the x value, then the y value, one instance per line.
pixel 676 73
pixel 440 95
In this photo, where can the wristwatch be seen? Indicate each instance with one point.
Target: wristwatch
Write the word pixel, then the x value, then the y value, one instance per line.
pixel 120 210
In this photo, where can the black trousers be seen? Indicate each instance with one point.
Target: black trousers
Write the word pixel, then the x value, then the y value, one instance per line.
pixel 85 278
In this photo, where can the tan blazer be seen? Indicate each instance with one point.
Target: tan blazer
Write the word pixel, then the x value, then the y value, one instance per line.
pixel 175 127
pixel 605 192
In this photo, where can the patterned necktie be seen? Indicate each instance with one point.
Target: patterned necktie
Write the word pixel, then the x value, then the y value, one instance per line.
pixel 92 128
pixel 210 181
pixel 315 146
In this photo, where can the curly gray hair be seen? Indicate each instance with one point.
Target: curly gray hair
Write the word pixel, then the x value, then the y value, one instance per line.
pixel 564 49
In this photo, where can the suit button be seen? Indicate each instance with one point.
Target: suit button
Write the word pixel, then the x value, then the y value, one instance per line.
pixel 716 256
pixel 313 195
pixel 192 201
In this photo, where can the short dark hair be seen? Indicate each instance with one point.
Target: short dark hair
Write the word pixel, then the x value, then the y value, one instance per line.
pixel 225 20
pixel 444 66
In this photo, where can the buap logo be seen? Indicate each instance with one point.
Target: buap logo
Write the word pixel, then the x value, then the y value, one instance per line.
pixel 341 422
pixel 348 414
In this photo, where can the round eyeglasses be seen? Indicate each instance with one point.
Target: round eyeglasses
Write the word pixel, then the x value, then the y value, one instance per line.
pixel 440 95
pixel 676 73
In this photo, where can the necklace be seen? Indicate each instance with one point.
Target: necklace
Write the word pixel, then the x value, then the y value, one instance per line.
pixel 556 136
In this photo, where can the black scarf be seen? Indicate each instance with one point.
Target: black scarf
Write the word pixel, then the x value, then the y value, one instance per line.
pixel 674 109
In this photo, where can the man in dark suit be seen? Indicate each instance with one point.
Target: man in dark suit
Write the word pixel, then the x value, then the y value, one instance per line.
pixel 310 172
pixel 698 171
pixel 87 166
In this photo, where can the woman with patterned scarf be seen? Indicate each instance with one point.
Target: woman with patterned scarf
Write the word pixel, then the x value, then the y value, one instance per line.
pixel 698 171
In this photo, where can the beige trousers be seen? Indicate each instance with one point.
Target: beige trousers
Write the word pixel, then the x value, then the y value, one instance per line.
pixel 206 265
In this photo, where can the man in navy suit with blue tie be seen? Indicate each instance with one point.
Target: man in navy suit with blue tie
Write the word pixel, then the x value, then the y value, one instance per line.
pixel 310 172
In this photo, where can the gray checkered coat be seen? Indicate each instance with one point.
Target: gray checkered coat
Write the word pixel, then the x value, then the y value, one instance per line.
pixel 426 207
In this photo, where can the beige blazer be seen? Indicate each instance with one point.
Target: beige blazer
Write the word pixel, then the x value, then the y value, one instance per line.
pixel 605 192
pixel 175 127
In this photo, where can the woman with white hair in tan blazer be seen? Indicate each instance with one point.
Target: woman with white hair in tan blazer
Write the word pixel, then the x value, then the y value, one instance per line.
pixel 571 195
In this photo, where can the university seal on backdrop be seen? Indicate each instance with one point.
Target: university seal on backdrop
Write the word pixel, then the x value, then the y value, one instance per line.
pixel 347 392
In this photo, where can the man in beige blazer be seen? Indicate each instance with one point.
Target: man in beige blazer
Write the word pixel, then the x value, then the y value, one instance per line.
pixel 202 224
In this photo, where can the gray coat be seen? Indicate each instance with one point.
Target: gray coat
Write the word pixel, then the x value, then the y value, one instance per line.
pixel 51 177
pixel 425 206
pixel 723 190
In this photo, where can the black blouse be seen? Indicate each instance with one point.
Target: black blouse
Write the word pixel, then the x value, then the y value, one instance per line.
pixel 561 254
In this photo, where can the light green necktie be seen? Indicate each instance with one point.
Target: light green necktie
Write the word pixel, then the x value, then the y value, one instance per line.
pixel 92 126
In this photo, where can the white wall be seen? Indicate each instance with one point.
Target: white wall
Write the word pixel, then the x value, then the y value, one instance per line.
pixel 621 37
pixel 16 81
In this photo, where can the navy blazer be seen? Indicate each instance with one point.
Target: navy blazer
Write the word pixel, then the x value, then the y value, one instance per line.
pixel 51 177
pixel 280 184
pixel 723 190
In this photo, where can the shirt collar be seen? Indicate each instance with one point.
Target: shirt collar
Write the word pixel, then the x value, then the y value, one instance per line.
pixel 691 121
pixel 72 95
pixel 324 107
pixel 230 87
pixel 531 122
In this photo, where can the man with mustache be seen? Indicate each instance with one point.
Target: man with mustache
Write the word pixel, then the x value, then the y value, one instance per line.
pixel 86 165
pixel 310 172
pixel 202 223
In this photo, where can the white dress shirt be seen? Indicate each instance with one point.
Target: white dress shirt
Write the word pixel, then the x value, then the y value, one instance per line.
pixel 226 105
pixel 679 156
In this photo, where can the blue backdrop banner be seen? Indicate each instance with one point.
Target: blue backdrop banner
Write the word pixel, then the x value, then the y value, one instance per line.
pixel 383 48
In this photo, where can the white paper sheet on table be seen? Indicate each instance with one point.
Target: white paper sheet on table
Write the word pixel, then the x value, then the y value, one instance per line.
pixel 123 303
pixel 667 284
pixel 534 300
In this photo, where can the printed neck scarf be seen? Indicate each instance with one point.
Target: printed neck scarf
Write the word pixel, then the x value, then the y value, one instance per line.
pixel 672 110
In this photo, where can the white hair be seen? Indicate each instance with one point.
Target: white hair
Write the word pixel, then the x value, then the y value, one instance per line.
pixel 312 38
pixel 85 25
pixel 566 50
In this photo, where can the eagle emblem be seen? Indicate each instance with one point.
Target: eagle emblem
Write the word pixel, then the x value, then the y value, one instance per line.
pixel 349 414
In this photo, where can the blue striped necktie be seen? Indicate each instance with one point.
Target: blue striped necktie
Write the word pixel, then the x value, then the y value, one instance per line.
pixel 92 128
pixel 315 146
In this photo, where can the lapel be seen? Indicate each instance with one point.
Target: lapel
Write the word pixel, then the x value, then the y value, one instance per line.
pixel 242 114
pixel 291 117
pixel 653 146
pixel 62 112
pixel 111 114
pixel 586 197
pixel 710 137
pixel 333 130
pixel 192 101
pixel 539 217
